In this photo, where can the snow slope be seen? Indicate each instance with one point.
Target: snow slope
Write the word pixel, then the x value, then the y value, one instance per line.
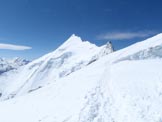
pixel 10 64
pixel 73 55
pixel 114 88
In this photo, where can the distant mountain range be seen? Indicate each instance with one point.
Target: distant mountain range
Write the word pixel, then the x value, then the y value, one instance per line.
pixel 10 64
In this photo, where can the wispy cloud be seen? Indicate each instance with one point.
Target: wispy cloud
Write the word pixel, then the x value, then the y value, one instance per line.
pixel 14 47
pixel 125 35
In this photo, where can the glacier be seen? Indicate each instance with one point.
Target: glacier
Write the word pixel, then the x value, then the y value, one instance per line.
pixel 120 86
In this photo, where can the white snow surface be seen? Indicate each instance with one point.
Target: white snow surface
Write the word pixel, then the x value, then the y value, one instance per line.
pixel 114 88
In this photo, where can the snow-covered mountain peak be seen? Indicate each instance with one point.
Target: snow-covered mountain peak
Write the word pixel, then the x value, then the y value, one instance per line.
pixel 72 55
pixel 75 38
pixel 72 41
pixel 76 44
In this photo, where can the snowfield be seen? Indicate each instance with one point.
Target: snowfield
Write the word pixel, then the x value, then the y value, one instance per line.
pixel 123 86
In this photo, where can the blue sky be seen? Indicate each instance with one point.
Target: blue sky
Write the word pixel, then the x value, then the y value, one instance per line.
pixel 46 24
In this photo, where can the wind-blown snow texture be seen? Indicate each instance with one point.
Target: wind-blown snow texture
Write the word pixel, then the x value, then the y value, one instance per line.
pixel 124 86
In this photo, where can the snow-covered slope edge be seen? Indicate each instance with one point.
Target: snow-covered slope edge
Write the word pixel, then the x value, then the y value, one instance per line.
pixel 72 55
pixel 105 91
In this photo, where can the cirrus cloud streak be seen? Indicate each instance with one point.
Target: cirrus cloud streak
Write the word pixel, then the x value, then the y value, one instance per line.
pixel 13 47
pixel 125 35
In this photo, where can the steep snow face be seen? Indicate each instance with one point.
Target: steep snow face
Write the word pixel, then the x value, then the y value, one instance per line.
pixel 10 64
pixel 150 53
pixel 69 57
pixel 148 48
